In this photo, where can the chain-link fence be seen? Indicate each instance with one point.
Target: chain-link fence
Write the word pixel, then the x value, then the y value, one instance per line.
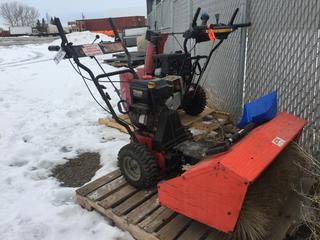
pixel 223 79
pixel 281 52
pixel 283 55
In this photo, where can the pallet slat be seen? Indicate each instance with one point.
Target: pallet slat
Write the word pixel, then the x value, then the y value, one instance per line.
pixel 195 231
pixel 133 202
pixel 90 187
pixel 136 215
pixel 107 189
pixel 118 197
pixel 214 235
pixel 174 228
pixel 156 219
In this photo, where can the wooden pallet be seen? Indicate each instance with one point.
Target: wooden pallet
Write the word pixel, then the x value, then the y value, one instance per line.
pixel 186 120
pixel 139 212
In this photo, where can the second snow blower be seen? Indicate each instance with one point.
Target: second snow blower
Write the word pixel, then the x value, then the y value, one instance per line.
pixel 214 190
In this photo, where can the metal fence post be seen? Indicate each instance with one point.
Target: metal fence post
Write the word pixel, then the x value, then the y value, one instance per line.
pixel 154 7
pixel 172 23
pixel 242 55
pixel 190 10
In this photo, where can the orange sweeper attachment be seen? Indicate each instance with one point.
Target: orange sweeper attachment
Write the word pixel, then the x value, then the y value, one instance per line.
pixel 213 191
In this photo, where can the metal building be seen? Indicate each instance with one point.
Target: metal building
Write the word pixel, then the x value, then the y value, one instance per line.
pixel 102 24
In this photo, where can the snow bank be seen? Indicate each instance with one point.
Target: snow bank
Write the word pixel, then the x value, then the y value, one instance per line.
pixel 86 37
pixel 45 109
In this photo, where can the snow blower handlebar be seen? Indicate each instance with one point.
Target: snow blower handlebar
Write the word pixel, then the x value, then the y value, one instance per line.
pixel 205 32
pixel 74 53
pixel 118 39
pixel 220 31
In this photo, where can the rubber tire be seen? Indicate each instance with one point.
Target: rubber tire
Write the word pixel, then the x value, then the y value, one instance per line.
pixel 197 104
pixel 148 165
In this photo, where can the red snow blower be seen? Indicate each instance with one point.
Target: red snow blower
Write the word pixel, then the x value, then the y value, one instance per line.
pixel 213 190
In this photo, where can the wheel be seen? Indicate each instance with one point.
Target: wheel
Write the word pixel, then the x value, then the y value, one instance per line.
pixel 195 103
pixel 138 166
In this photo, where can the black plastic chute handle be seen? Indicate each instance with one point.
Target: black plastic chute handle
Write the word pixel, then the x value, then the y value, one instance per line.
pixel 241 25
pixel 243 132
pixel 223 147
pixel 54 48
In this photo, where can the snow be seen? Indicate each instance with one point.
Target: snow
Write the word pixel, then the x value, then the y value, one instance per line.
pixel 46 109
pixel 83 38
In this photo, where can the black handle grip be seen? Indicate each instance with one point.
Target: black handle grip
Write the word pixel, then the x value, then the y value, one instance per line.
pixel 61 31
pixel 234 16
pixel 218 149
pixel 195 18
pixel 240 25
pixel 54 48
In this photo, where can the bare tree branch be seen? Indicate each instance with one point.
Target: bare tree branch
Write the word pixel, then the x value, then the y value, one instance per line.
pixel 18 14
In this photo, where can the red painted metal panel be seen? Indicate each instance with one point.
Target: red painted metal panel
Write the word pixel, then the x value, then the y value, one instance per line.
pixel 213 196
pixel 121 23
pixel 5 34
pixel 254 153
pixel 213 191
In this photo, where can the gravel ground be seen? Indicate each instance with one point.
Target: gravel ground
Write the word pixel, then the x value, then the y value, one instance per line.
pixel 77 171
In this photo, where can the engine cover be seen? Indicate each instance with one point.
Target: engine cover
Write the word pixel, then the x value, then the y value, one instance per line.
pixel 153 110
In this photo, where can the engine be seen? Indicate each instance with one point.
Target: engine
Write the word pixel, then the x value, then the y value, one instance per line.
pixel 153 109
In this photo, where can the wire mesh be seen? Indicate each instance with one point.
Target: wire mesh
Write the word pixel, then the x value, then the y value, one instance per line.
pixel 224 77
pixel 283 55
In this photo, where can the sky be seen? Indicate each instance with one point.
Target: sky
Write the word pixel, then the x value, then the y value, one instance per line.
pixel 68 10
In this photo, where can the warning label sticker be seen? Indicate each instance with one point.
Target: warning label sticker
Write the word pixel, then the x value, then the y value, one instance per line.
pixel 92 50
pixel 278 141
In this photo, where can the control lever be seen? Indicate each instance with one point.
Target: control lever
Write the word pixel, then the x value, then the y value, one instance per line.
pixel 97 37
pixel 234 16
pixel 217 16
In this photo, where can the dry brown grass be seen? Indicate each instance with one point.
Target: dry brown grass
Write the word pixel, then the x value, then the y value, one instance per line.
pixel 311 207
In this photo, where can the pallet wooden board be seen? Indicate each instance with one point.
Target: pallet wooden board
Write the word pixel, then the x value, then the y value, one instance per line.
pixel 138 211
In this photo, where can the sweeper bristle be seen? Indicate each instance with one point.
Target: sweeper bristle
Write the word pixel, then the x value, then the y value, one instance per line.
pixel 268 194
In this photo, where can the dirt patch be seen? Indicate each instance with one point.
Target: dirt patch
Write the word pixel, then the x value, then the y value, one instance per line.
pixel 77 171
